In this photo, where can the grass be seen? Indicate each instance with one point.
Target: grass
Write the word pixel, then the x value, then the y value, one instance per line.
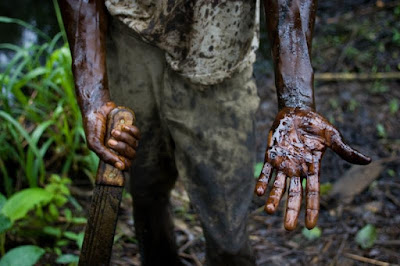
pixel 41 127
pixel 42 144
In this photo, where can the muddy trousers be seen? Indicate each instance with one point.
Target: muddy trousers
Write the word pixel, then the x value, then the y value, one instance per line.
pixel 203 134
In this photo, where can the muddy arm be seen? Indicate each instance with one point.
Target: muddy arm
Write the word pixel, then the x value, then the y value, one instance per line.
pixel 299 136
pixel 86 25
pixel 290 26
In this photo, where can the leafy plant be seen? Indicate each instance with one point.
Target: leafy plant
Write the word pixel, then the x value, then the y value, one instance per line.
pixel 18 205
pixel 43 204
pixel 41 126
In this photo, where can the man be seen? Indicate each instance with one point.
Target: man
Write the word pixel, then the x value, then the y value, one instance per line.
pixel 185 68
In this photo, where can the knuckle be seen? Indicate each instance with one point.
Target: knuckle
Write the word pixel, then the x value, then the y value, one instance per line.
pixel 294 194
pixel 94 145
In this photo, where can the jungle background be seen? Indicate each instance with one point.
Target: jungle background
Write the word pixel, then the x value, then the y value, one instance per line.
pixel 47 172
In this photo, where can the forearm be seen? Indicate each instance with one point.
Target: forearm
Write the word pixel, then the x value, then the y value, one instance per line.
pixel 290 27
pixel 86 23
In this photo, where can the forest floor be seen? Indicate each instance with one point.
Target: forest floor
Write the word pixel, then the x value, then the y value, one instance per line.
pixel 361 37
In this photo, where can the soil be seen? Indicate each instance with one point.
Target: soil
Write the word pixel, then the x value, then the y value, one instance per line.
pixel 349 37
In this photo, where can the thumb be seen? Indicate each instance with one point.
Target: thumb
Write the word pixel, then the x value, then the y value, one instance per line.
pixel 345 151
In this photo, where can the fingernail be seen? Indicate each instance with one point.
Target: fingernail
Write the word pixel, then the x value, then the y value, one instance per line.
pixel 112 142
pixel 270 208
pixel 116 132
pixel 119 165
pixel 260 191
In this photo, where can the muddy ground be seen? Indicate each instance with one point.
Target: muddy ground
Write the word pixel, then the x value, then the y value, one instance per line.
pixel 350 36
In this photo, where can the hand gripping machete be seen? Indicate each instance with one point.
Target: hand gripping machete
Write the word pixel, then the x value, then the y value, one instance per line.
pixel 107 194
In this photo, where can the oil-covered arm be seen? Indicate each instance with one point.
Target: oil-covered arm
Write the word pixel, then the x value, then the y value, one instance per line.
pixel 86 25
pixel 290 27
pixel 299 135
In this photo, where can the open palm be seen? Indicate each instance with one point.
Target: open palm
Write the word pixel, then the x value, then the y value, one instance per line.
pixel 296 144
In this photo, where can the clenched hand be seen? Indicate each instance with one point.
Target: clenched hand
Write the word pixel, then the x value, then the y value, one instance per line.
pixel 296 144
pixel 125 142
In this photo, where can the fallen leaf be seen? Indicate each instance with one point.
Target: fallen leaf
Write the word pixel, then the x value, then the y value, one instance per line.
pixel 366 236
pixel 357 179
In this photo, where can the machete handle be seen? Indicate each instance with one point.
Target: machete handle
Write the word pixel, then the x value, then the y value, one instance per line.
pixel 107 174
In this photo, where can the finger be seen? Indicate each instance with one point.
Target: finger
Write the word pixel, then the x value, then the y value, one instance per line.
pixel 109 157
pixel 276 193
pixel 312 193
pixel 263 179
pixel 345 151
pixel 293 203
pixel 122 148
pixel 125 137
pixel 127 162
pixel 133 130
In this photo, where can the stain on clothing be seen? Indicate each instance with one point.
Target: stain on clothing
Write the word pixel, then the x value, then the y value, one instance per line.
pixel 205 41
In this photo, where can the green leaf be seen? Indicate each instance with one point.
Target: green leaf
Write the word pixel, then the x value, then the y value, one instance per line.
pixel 5 223
pixel 19 204
pixel 68 214
pixel 32 145
pixel 381 131
pixel 22 256
pixel 74 236
pixel 366 236
pixel 57 251
pixel 79 241
pixel 312 234
pixel 393 106
pixel 62 242
pixel 53 211
pixel 3 200
pixel 390 172
pixel 78 220
pixel 67 258
pixel 71 235
pixel 53 231
pixel 258 168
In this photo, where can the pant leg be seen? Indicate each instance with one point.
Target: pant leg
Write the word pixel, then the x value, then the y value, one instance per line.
pixel 135 71
pixel 213 129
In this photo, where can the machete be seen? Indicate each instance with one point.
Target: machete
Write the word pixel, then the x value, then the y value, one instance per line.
pixel 107 194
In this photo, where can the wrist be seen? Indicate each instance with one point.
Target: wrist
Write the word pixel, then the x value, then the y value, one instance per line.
pixel 92 96
pixel 296 94
pixel 102 108
pixel 296 101
pixel 295 84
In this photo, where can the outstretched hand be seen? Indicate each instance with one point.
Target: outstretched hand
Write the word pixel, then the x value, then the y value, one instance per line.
pixel 296 144
pixel 124 142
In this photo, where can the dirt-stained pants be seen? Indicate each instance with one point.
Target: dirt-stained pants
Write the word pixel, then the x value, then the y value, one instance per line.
pixel 203 134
